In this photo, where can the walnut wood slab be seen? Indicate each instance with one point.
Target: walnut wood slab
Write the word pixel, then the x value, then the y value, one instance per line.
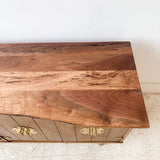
pixel 89 84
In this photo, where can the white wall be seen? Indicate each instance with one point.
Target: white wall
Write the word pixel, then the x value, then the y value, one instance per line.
pixel 89 20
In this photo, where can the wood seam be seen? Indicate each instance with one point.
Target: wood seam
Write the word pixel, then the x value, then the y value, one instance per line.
pixel 40 129
pixel 58 131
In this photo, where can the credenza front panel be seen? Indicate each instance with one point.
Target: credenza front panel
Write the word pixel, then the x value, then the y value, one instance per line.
pixel 53 131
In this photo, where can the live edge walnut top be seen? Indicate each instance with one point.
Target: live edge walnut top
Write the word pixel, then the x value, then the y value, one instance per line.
pixel 91 84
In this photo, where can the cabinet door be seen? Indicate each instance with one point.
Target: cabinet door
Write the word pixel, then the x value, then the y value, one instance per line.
pixel 54 131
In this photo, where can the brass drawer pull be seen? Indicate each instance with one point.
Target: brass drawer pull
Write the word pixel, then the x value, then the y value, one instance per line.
pixel 24 130
pixel 92 131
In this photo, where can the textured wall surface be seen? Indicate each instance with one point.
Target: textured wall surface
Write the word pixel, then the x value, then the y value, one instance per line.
pixel 141 144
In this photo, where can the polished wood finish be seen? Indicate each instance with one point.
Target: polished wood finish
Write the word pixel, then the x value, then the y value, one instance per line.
pixel 90 108
pixel 66 57
pixel 88 84
pixel 59 88
pixel 69 80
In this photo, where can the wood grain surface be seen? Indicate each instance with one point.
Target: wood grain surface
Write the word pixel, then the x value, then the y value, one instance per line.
pixel 88 108
pixel 67 80
pixel 89 84
pixel 66 56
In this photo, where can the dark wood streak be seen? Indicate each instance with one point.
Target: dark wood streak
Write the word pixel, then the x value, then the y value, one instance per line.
pixel 25 48
pixel 53 62
pixel 67 57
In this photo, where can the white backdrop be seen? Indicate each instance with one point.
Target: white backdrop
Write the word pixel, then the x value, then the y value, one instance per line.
pixel 89 20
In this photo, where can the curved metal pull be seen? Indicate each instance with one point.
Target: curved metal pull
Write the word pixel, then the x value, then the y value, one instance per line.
pixel 92 131
pixel 24 130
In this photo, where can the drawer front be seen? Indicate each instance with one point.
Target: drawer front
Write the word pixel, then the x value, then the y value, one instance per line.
pixel 28 129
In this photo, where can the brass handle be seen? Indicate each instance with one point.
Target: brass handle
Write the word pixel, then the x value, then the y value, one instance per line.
pixel 24 130
pixel 92 131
